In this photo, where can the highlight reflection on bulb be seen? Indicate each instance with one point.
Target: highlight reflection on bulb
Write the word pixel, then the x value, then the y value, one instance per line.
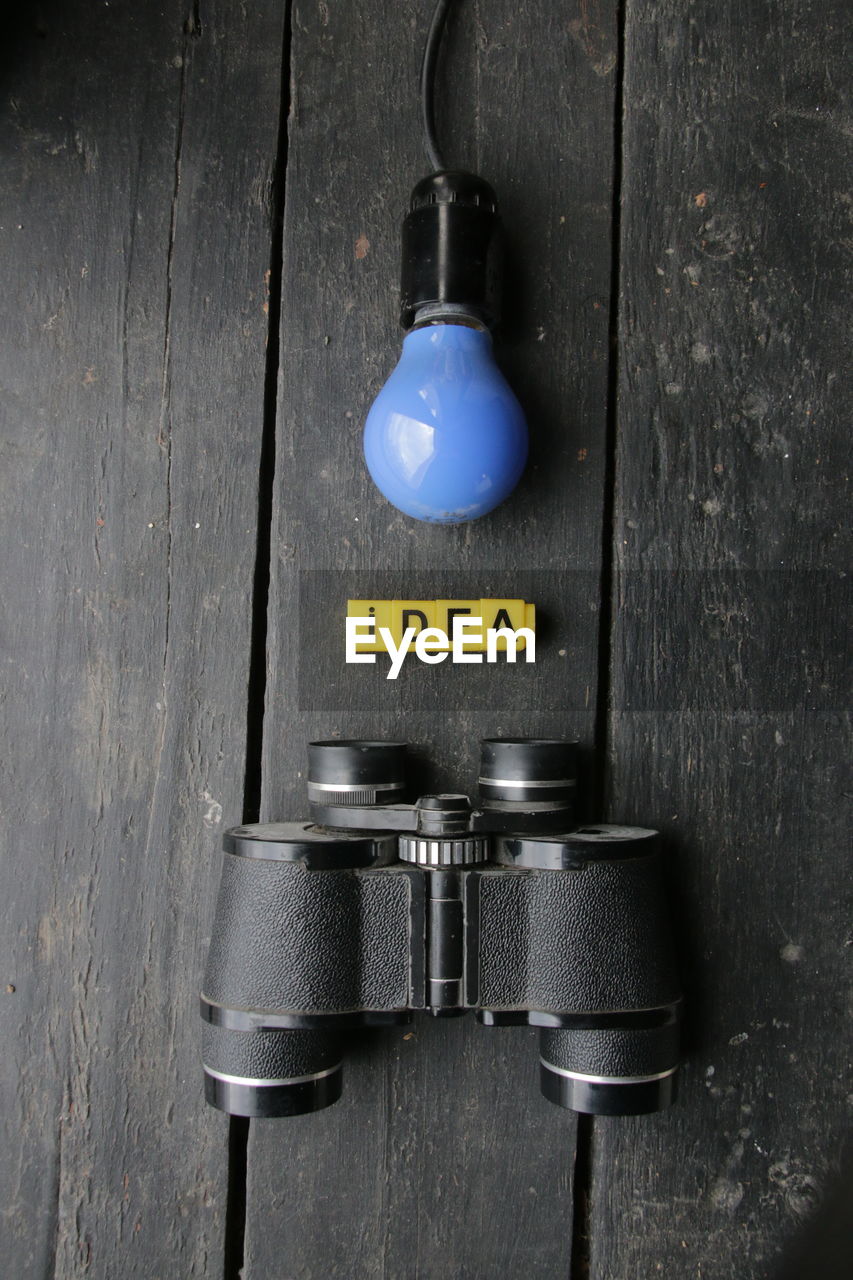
pixel 446 440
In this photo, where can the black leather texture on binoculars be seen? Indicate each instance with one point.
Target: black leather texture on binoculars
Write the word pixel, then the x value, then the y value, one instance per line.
pixel 269 1055
pixel 612 1051
pixel 592 939
pixel 290 939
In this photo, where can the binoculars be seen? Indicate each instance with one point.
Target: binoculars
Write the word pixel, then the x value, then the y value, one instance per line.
pixel 377 909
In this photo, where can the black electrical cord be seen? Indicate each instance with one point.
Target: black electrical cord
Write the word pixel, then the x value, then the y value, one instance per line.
pixel 431 48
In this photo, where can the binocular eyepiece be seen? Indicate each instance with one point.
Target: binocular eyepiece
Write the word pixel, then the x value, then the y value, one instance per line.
pixel 377 909
pixel 528 771
pixel 356 773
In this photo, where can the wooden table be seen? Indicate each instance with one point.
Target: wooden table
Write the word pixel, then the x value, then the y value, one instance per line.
pixel 200 220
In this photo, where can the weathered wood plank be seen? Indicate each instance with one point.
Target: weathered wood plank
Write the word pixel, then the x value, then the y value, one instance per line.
pixel 441 1159
pixel 135 236
pixel 728 644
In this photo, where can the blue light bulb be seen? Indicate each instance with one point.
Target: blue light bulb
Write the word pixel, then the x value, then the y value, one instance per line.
pixel 446 439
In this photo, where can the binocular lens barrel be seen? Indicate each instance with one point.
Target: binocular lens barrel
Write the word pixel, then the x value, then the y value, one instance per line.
pixel 539 771
pixel 269 1072
pixel 614 1071
pixel 356 772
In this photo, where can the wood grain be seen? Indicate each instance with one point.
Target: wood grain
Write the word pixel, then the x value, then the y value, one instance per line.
pixel 135 237
pixel 442 1158
pixel 728 681
pixel 137 216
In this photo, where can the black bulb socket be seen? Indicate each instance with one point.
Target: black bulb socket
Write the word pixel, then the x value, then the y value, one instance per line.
pixel 452 252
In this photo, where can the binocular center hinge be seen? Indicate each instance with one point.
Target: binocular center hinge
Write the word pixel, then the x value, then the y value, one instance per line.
pixel 445 943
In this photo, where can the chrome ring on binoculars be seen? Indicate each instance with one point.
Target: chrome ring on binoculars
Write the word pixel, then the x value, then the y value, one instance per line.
pixel 591 1079
pixel 522 782
pixel 354 793
pixel 607 1095
pixel 259 1098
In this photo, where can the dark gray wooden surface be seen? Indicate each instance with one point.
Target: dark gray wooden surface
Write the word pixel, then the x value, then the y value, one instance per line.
pixel 696 519
pixel 729 695
pixel 135 237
